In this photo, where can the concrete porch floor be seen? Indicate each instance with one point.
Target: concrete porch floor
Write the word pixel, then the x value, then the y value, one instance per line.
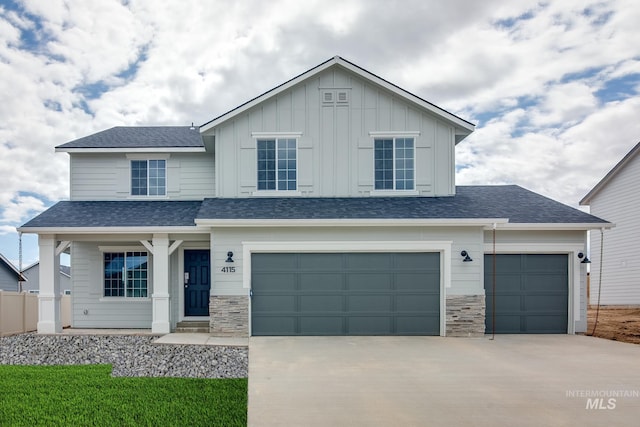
pixel 183 338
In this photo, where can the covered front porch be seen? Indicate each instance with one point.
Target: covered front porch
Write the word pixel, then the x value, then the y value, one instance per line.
pixel 128 281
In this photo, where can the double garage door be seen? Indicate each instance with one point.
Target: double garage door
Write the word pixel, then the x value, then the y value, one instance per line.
pixel 345 294
pixel 531 293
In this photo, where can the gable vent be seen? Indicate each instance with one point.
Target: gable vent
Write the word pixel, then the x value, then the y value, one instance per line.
pixel 343 97
pixel 327 97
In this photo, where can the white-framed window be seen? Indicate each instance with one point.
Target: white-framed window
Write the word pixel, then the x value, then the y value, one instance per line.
pixel 149 177
pixel 67 292
pixel 277 164
pixel 394 163
pixel 126 274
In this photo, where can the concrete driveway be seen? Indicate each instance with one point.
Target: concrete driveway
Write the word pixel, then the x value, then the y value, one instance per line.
pixel 516 380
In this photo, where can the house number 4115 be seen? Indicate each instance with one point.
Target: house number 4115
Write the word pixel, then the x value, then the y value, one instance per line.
pixel 228 269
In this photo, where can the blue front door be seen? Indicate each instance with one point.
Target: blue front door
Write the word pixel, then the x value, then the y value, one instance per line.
pixel 197 282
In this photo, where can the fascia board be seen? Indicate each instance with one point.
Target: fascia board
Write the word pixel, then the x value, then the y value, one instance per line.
pixel 555 226
pixel 133 150
pixel 386 222
pixel 109 230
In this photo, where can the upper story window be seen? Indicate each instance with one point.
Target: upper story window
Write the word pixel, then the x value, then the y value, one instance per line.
pixel 277 164
pixel 148 177
pixel 394 164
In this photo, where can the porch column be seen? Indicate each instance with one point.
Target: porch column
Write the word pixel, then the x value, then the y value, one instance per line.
pixel 49 297
pixel 160 322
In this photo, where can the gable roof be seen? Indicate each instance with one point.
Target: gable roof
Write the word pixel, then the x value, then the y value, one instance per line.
pixel 12 268
pixel 462 125
pixel 138 138
pixel 609 176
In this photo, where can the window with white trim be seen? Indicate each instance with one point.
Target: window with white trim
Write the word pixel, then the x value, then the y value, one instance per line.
pixel 126 274
pixel 277 164
pixel 394 164
pixel 148 177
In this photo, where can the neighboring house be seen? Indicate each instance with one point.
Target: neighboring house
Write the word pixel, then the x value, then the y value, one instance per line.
pixel 32 273
pixel 325 206
pixel 617 199
pixel 9 275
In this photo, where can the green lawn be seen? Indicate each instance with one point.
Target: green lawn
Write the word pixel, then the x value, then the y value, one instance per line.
pixel 89 396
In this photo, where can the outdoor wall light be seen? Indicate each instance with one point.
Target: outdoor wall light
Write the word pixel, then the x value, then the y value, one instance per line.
pixel 466 256
pixel 585 260
pixel 229 257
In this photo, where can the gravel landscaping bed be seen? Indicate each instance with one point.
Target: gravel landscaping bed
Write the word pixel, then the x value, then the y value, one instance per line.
pixel 130 355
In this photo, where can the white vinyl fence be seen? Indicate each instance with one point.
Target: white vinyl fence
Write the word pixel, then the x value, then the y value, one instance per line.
pixel 19 312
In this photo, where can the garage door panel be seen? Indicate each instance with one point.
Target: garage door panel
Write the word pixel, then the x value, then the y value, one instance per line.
pixel 415 280
pixel 321 325
pixel 274 303
pixel 417 302
pixel 545 282
pixel 276 282
pixel 368 303
pixel 546 263
pixel 370 325
pixel 369 281
pixel 320 282
pixel 533 299
pixel 274 325
pixel 322 303
pixel 274 262
pixel 547 324
pixel 319 262
pixel 417 325
pixel 369 261
pixel 421 261
pixel 346 294
pixel 545 303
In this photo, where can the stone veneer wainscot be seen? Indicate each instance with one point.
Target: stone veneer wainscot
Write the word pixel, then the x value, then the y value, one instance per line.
pixel 465 315
pixel 229 316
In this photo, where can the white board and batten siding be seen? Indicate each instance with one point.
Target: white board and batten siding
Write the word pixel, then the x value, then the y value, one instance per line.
pixel 335 138
pixel 617 202
pixel 190 176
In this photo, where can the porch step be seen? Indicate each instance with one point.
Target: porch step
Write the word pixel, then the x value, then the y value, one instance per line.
pixel 193 326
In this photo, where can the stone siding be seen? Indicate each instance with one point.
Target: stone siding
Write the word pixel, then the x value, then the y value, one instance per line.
pixel 229 315
pixel 465 315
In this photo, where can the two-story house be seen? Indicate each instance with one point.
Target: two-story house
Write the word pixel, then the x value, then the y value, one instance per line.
pixel 325 206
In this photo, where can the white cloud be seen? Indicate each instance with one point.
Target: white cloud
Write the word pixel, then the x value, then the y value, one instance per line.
pixel 530 72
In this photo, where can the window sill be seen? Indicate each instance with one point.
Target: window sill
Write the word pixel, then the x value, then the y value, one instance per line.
pixel 125 299
pixel 276 193
pixel 394 193
pixel 130 197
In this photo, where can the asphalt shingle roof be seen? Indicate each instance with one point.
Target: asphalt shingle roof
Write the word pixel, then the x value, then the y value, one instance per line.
pixel 510 201
pixel 126 213
pixel 471 202
pixel 140 137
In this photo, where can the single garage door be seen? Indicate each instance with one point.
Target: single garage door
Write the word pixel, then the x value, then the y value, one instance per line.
pixel 532 294
pixel 345 294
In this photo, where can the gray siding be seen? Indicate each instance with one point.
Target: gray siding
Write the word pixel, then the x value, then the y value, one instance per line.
pixel 87 282
pixel 33 280
pixel 8 278
pixel 618 203
pixel 190 176
pixel 335 149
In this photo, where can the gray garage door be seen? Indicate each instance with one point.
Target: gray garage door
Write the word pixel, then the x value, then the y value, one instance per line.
pixel 345 294
pixel 531 295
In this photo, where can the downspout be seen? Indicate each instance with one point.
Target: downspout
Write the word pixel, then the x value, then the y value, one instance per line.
pixel 599 281
pixel 493 295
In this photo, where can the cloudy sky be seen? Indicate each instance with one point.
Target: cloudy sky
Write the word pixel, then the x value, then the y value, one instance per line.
pixel 552 86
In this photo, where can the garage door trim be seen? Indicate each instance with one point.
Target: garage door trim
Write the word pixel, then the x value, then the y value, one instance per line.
pixel 443 247
pixel 574 272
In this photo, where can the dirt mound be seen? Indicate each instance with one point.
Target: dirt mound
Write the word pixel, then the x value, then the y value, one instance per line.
pixel 619 324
